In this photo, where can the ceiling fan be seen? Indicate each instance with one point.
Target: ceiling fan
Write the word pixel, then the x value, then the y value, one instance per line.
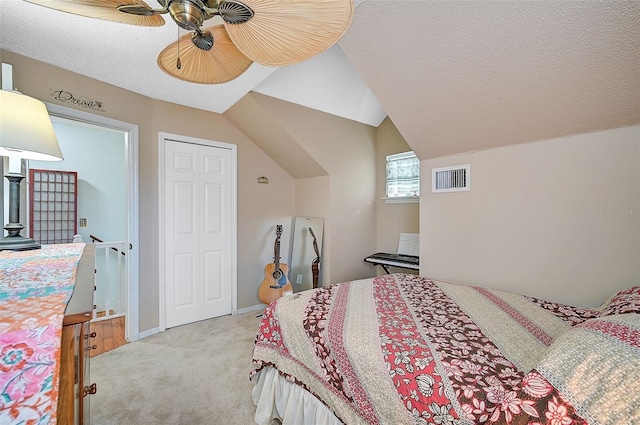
pixel 270 32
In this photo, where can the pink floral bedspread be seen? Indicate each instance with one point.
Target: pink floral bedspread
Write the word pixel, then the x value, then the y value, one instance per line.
pixel 403 349
pixel 35 287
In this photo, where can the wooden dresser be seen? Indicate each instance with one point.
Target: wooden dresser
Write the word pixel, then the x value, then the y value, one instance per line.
pixel 75 386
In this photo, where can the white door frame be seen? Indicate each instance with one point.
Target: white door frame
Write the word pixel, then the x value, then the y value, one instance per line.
pixel 132 327
pixel 162 137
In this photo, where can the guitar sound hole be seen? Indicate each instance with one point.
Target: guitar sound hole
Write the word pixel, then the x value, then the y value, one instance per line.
pixel 277 274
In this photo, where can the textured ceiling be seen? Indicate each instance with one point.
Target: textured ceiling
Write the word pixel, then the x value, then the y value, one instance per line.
pixel 125 56
pixel 328 83
pixel 461 76
pixel 453 76
pixel 119 54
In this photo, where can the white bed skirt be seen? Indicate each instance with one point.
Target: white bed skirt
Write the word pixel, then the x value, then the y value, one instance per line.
pixel 277 398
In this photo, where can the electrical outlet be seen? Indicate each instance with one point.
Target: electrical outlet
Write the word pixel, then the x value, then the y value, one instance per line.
pixel 299 279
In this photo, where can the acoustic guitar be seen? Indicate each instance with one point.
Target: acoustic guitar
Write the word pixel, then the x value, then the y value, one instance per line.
pixel 275 283
pixel 315 264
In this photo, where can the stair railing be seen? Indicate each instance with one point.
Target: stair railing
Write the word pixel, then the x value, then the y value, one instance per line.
pixel 110 279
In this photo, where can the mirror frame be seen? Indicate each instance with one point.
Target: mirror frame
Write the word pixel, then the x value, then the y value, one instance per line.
pixel 303 254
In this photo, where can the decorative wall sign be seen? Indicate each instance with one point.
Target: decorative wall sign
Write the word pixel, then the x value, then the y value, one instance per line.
pixel 85 102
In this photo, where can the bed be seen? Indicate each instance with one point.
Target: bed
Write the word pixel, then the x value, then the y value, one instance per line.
pixel 404 349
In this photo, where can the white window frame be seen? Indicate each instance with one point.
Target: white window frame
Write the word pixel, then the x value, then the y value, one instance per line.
pixel 400 199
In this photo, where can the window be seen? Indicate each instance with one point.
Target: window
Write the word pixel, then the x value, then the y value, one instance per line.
pixel 403 177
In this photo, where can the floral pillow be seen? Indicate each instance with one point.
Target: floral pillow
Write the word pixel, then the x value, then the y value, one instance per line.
pixel 627 301
pixel 589 376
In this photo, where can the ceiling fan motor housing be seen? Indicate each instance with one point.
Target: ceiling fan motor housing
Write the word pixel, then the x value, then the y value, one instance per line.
pixel 188 14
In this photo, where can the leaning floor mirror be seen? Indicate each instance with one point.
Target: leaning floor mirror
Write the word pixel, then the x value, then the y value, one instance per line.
pixel 306 254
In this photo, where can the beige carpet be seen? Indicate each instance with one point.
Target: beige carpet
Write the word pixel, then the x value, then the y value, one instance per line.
pixel 193 374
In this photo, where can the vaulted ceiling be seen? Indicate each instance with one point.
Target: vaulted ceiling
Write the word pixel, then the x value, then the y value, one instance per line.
pixel 461 76
pixel 452 76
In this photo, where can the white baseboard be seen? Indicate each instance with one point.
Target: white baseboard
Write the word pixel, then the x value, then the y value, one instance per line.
pixel 148 332
pixel 250 309
pixel 154 331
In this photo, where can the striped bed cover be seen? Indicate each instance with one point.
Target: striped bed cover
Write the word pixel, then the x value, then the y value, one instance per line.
pixel 404 349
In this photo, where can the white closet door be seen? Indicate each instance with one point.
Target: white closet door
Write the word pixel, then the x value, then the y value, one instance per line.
pixel 198 208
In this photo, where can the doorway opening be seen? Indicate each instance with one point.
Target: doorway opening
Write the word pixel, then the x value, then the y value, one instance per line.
pixel 104 151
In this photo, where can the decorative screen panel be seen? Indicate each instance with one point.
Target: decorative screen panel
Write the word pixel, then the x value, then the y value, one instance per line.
pixel 53 199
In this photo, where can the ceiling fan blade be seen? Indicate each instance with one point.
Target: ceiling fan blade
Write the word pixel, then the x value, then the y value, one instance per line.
pixel 104 9
pixel 283 32
pixel 222 63
pixel 140 9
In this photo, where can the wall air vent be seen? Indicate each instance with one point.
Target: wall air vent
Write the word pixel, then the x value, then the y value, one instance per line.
pixel 451 179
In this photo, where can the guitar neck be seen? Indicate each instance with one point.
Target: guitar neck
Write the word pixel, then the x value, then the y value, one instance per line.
pixel 315 244
pixel 276 253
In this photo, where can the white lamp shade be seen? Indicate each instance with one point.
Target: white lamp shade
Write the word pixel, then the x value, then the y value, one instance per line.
pixel 25 129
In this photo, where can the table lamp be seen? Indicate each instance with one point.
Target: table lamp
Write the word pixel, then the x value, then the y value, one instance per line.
pixel 25 133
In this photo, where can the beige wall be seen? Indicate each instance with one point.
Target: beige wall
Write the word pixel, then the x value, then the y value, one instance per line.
pixel 259 206
pixel 392 219
pixel 558 219
pixel 312 200
pixel 346 150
